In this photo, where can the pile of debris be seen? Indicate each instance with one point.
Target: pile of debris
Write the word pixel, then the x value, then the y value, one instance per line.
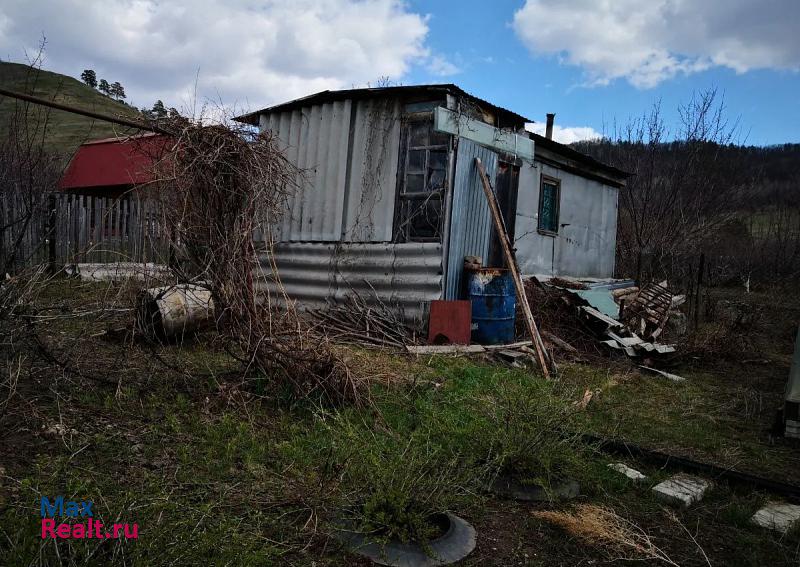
pixel 613 313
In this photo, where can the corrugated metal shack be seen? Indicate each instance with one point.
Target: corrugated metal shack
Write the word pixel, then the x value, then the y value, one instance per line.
pixel 391 200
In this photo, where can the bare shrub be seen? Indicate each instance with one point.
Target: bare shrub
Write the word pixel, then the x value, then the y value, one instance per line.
pixel 28 174
pixel 219 183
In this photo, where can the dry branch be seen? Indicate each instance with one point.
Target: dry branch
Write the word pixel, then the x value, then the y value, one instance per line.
pixel 365 321
pixel 218 184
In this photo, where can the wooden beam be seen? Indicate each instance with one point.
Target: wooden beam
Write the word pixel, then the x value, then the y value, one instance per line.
pixel 542 357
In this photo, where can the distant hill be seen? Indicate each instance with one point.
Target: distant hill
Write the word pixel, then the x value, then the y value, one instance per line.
pixel 66 131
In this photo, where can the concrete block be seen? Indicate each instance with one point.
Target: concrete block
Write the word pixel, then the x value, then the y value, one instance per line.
pixel 792 429
pixel 777 516
pixel 632 474
pixel 682 489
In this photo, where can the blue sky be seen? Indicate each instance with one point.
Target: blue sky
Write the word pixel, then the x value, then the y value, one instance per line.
pixel 496 65
pixel 592 62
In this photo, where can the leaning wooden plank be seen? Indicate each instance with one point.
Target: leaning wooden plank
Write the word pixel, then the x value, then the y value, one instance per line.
pixel 444 349
pixel 559 342
pixel 541 353
pixel 604 318
pixel 509 346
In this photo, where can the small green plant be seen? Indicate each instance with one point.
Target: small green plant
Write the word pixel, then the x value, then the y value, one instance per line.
pixel 395 484
pixel 531 435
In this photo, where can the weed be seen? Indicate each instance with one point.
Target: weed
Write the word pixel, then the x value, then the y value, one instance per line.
pixel 602 526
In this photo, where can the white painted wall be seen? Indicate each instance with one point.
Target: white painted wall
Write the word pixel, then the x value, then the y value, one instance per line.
pixel 584 248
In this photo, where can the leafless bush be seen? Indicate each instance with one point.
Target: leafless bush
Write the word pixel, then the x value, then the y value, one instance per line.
pixel 28 174
pixel 8 384
pixel 219 183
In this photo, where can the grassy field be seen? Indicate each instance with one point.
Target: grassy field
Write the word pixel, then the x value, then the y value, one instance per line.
pixel 218 470
pixel 65 131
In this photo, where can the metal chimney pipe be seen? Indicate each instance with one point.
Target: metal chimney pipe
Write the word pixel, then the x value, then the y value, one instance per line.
pixel 548 132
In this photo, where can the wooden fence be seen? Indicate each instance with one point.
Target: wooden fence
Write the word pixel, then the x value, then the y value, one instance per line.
pixel 70 229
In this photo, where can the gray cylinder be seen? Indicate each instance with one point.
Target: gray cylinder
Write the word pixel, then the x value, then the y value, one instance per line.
pixel 174 310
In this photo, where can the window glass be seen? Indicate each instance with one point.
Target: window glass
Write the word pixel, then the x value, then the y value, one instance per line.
pixel 439 138
pixel 415 183
pixel 548 207
pixel 435 180
pixel 437 159
pixel 416 161
pixel 422 183
pixel 425 216
pixel 420 134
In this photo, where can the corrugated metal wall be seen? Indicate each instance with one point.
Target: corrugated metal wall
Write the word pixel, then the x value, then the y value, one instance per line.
pixel 315 140
pixel 409 275
pixel 370 200
pixel 471 221
pixel 348 152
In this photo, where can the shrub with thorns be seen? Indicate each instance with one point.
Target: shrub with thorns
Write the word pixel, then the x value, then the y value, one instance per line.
pixel 218 185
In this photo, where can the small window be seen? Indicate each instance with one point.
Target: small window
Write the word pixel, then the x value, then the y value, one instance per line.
pixel 549 197
pixel 422 182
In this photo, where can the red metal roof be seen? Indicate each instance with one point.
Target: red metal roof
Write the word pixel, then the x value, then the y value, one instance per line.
pixel 114 162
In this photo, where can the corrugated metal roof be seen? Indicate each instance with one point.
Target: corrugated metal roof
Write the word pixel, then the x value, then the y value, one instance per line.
pixel 354 94
pixel 579 157
pixel 113 162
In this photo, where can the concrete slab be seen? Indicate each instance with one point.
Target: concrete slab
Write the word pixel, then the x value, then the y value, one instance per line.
pixel 777 516
pixel 682 489
pixel 632 474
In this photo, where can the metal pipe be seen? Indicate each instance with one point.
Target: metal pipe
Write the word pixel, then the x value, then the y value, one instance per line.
pixel 548 132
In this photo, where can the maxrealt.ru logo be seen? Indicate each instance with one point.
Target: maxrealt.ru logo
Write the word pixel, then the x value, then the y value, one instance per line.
pixel 89 528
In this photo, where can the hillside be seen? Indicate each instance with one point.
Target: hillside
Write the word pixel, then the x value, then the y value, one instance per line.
pixel 65 131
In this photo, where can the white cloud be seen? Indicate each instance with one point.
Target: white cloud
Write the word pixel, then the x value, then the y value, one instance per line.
pixel 251 53
pixel 649 41
pixel 565 134
pixel 438 65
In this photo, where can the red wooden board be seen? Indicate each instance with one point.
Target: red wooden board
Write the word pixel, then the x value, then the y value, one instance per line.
pixel 450 322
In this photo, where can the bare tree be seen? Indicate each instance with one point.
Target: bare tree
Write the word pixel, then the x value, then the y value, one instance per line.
pixel 683 189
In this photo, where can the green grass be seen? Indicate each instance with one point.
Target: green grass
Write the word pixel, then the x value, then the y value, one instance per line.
pixel 65 131
pixel 217 473
pixel 709 417
pixel 766 222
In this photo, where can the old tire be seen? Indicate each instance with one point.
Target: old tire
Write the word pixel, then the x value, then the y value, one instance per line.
pixel 456 543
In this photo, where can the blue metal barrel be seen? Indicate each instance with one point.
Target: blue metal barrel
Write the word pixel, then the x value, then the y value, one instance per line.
pixel 494 299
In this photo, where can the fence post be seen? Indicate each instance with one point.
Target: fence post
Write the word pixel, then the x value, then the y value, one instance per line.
pixel 52 223
pixel 698 291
